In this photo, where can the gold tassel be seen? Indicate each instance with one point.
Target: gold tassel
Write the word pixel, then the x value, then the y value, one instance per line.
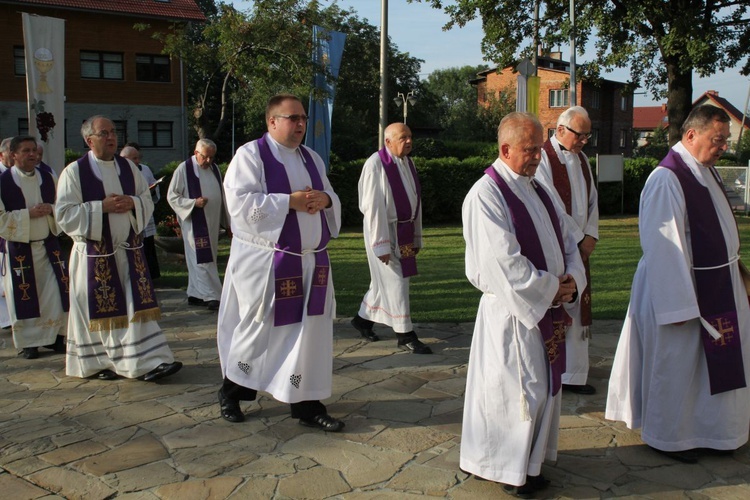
pixel 153 314
pixel 103 324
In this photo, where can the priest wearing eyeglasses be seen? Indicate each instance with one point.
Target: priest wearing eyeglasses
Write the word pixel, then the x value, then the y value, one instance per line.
pixel 196 196
pixel 566 172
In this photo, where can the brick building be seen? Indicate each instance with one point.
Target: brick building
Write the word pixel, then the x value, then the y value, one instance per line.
pixel 110 69
pixel 609 106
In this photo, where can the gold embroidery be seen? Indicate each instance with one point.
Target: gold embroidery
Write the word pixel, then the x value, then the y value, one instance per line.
pixel 322 276
pixel 407 250
pixel 288 288
pixel 553 343
pixel 12 227
pixel 142 281
pixel 202 242
pixel 104 294
pixel 23 286
pixel 61 263
pixel 725 328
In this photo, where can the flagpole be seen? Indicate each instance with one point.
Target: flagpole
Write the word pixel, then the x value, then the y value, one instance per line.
pixel 383 72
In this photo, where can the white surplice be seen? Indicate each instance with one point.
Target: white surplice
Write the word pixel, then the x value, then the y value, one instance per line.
pixel 585 214
pixel 659 379
pixel 5 321
pixel 387 300
pixel 18 226
pixel 508 365
pixel 293 362
pixel 203 279
pixel 142 346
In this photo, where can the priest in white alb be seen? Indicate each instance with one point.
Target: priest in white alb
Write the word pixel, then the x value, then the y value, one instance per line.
pixel 522 255
pixel 682 363
pixel 103 204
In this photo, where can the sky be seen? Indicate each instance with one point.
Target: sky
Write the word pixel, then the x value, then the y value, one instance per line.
pixel 416 28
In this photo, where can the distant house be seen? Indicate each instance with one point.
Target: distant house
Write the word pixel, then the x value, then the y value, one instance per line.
pixel 110 69
pixel 609 105
pixel 646 119
pixel 712 97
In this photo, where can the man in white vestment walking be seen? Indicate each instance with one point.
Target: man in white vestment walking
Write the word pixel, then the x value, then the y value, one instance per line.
pixel 522 254
pixel 390 200
pixel 681 367
pixel 196 196
pixel 565 171
pixel 33 265
pixel 103 203
pixel 133 153
pixel 275 329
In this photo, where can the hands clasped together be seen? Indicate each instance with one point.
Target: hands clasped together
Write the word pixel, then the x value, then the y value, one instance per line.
pixel 309 200
pixel 117 203
pixel 566 291
pixel 40 210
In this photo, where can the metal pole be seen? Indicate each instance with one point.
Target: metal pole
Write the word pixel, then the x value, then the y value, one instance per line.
pixel 742 123
pixel 572 52
pixel 536 36
pixel 383 72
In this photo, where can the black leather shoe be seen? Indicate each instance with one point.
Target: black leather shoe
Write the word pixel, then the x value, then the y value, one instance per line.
pixel 230 409
pixel 161 371
pixel 525 491
pixel 106 375
pixel 323 421
pixel 213 305
pixel 364 331
pixel 195 301
pixel 30 352
pixel 414 346
pixel 59 345
pixel 585 389
pixel 685 456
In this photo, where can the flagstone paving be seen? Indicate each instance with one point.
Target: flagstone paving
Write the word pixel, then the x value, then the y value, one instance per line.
pixel 63 437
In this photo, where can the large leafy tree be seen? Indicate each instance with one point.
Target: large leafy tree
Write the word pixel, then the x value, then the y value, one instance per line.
pixel 662 42
pixel 454 100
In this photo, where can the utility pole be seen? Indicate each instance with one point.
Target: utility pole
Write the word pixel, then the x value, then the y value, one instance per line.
pixel 383 72
pixel 572 52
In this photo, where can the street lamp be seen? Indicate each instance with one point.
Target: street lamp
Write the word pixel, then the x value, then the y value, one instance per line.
pixel 405 100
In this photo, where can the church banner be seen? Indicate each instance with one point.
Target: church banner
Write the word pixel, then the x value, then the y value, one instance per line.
pixel 328 48
pixel 44 51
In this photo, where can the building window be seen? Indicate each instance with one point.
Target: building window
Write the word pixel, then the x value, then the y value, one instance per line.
pixel 558 98
pixel 550 132
pixel 624 102
pixel 151 68
pixel 623 137
pixel 121 126
pixel 19 61
pixel 23 126
pixel 155 134
pixel 594 139
pixel 595 98
pixel 101 65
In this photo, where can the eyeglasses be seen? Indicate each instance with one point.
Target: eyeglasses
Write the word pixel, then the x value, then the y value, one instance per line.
pixel 205 157
pixel 105 133
pixel 719 140
pixel 294 118
pixel 579 135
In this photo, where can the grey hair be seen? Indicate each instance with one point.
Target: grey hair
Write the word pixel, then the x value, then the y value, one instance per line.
pixel 87 128
pixel 567 116
pixel 701 118
pixel 205 143
pixel 5 145
pixel 511 127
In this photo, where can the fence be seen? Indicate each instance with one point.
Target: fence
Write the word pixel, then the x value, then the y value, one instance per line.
pixel 735 184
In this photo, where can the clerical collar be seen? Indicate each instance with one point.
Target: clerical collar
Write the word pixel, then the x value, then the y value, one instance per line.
pixel 562 148
pixel 28 174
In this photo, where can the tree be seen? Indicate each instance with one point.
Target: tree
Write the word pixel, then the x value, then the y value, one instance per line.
pixel 662 41
pixel 454 100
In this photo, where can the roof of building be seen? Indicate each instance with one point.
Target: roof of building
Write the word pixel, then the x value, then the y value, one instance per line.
pixel 553 63
pixel 712 97
pixel 186 10
pixel 649 117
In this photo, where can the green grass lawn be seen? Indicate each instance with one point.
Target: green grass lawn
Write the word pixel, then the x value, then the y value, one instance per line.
pixel 441 293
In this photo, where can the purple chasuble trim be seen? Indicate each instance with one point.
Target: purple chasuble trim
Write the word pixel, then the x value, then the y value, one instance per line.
pixel 201 238
pixel 713 287
pixel 107 304
pixel 45 168
pixel 23 277
pixel 289 287
pixel 405 227
pixel 552 326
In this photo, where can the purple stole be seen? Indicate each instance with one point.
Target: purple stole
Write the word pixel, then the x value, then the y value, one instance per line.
pixel 25 293
pixel 561 181
pixel 713 287
pixel 289 303
pixel 201 237
pixel 405 225
pixel 45 168
pixel 553 324
pixel 107 305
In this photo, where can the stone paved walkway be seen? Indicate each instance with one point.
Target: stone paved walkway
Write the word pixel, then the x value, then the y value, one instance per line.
pixel 64 437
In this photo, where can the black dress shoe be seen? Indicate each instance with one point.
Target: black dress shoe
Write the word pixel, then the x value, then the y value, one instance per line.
pixel 213 305
pixel 195 301
pixel 414 346
pixel 106 375
pixel 323 421
pixel 161 371
pixel 524 491
pixel 585 389
pixel 30 352
pixel 59 345
pixel 230 408
pixel 685 456
pixel 364 330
